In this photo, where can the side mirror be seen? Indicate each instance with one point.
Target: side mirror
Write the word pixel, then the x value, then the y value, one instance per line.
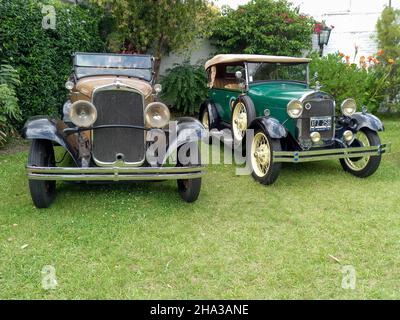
pixel 239 75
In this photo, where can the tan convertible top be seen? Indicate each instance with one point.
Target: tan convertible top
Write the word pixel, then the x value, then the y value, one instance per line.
pixel 229 58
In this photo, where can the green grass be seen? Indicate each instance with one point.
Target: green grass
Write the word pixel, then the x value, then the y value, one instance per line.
pixel 240 240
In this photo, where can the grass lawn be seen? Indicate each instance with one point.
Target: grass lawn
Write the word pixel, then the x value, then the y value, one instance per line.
pixel 240 240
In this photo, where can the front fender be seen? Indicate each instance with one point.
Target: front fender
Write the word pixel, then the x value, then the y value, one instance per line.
pixel 367 120
pixel 44 128
pixel 270 125
pixel 187 130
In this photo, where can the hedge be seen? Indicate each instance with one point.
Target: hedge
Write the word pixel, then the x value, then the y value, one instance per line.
pixel 43 56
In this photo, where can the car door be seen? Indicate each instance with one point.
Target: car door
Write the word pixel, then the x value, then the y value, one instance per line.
pixel 226 90
pixel 223 100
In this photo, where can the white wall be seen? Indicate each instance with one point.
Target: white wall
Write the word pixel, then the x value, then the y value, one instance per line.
pixel 354 21
pixel 200 50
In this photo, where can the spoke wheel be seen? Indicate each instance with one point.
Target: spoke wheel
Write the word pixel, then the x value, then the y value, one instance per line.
pixel 363 167
pixel 239 121
pixel 260 154
pixel 205 120
pixel 260 157
pixel 358 164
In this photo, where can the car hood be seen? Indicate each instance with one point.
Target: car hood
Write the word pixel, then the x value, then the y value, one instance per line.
pixel 86 86
pixel 280 92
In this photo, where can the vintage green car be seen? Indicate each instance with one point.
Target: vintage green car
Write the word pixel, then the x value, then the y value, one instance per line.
pixel 290 121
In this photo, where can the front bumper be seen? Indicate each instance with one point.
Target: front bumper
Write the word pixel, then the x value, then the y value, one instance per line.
pixel 327 154
pixel 114 174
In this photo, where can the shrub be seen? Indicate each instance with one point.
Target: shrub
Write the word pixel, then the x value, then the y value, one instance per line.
pixel 43 56
pixel 338 78
pixel 263 27
pixel 9 109
pixel 185 87
pixel 366 83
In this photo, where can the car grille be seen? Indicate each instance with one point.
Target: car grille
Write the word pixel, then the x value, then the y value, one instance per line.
pixel 119 107
pixel 319 108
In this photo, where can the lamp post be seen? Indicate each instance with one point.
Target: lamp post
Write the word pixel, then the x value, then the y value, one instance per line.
pixel 324 34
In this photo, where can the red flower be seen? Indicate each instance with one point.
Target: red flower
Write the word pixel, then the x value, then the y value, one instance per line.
pixel 341 54
pixel 379 53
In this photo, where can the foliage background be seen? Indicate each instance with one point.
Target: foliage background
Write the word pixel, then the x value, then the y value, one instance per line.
pixel 263 27
pixel 185 87
pixel 43 57
pixel 388 30
pixel 9 109
pixel 155 28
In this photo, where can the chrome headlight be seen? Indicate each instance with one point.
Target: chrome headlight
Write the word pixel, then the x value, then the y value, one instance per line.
pixel 349 107
pixel 83 114
pixel 69 85
pixel 295 109
pixel 157 115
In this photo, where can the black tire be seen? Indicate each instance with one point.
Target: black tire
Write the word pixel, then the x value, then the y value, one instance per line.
pixel 189 189
pixel 41 154
pixel 373 162
pixel 274 169
pixel 251 115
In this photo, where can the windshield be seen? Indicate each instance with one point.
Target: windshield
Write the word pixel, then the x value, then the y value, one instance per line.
pixel 113 64
pixel 277 71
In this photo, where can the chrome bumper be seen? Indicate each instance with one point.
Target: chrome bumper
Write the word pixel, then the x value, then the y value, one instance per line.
pixel 114 174
pixel 326 154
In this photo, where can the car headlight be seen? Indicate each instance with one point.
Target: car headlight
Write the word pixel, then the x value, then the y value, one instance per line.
pixel 83 114
pixel 157 115
pixel 349 107
pixel 295 109
pixel 69 85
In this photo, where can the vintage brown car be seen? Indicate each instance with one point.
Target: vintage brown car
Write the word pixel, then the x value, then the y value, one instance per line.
pixel 115 129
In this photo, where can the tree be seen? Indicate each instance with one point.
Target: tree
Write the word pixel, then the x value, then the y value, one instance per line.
pixel 156 27
pixel 388 31
pixel 263 27
pixel 388 28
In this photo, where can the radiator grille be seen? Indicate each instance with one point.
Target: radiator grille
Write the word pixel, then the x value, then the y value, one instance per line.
pixel 319 108
pixel 119 107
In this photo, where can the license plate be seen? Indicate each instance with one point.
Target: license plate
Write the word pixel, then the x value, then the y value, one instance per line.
pixel 320 124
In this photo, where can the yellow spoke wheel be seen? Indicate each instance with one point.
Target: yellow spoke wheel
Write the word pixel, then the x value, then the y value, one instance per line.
pixel 239 121
pixel 359 164
pixel 205 120
pixel 261 154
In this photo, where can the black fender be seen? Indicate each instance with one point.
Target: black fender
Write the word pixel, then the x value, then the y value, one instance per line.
pixel 212 112
pixel 186 130
pixel 367 120
pixel 45 128
pixel 270 125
